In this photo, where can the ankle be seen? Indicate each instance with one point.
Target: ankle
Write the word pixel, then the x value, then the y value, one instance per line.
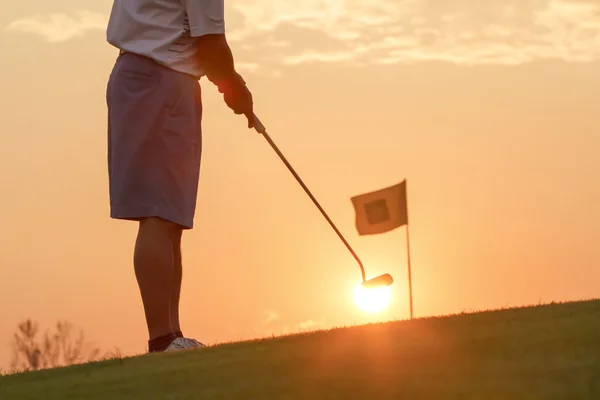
pixel 161 343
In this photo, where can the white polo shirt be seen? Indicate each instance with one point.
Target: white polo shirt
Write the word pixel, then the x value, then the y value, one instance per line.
pixel 165 30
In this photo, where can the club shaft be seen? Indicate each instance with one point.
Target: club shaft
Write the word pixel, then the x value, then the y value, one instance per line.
pixel 261 129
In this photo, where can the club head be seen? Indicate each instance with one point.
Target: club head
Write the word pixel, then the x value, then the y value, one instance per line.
pixel 378 281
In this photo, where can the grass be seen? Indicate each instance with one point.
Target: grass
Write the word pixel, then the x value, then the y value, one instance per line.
pixel 543 352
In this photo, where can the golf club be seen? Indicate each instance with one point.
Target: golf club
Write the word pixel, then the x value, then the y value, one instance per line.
pixel 378 281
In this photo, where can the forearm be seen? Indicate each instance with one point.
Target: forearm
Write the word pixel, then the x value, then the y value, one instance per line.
pixel 216 56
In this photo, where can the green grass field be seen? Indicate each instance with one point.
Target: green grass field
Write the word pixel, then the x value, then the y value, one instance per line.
pixel 544 352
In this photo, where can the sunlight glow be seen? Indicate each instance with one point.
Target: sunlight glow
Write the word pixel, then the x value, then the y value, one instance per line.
pixel 373 299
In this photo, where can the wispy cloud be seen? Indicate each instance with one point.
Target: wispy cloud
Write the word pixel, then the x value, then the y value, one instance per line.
pixel 284 33
pixel 308 325
pixel 59 27
pixel 408 31
pixel 270 316
pixel 272 323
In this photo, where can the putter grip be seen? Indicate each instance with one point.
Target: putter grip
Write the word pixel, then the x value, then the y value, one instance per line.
pixel 260 128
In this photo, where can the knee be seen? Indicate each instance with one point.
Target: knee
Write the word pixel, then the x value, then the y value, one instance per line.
pixel 158 225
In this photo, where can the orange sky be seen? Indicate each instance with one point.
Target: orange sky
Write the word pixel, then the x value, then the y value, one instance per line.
pixel 489 112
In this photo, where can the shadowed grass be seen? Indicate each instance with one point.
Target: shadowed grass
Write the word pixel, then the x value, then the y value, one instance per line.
pixel 543 352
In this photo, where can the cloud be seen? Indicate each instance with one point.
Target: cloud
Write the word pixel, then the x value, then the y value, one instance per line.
pixel 273 324
pixel 59 27
pixel 311 55
pixel 280 33
pixel 247 66
pixel 310 324
pixel 270 316
pixel 408 31
pixel 304 326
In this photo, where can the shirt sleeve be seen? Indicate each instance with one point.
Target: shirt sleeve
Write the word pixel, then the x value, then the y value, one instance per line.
pixel 205 16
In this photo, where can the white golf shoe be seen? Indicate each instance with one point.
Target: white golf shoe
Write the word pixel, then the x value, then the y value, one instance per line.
pixel 182 343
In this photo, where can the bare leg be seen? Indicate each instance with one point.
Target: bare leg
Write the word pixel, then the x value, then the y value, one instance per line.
pixel 153 264
pixel 176 282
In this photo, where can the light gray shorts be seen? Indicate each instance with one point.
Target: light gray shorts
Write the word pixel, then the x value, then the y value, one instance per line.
pixel 154 141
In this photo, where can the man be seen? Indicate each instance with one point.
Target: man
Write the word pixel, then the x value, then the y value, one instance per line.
pixel 155 141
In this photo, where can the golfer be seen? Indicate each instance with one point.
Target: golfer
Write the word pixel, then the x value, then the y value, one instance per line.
pixel 155 137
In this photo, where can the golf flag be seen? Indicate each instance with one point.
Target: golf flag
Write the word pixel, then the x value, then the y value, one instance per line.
pixel 382 210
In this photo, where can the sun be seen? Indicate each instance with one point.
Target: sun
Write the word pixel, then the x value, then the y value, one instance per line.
pixel 372 299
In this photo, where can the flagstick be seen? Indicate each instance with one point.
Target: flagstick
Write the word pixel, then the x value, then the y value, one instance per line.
pixel 410 296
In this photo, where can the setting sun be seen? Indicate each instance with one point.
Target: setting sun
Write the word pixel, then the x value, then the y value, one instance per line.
pixel 372 299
